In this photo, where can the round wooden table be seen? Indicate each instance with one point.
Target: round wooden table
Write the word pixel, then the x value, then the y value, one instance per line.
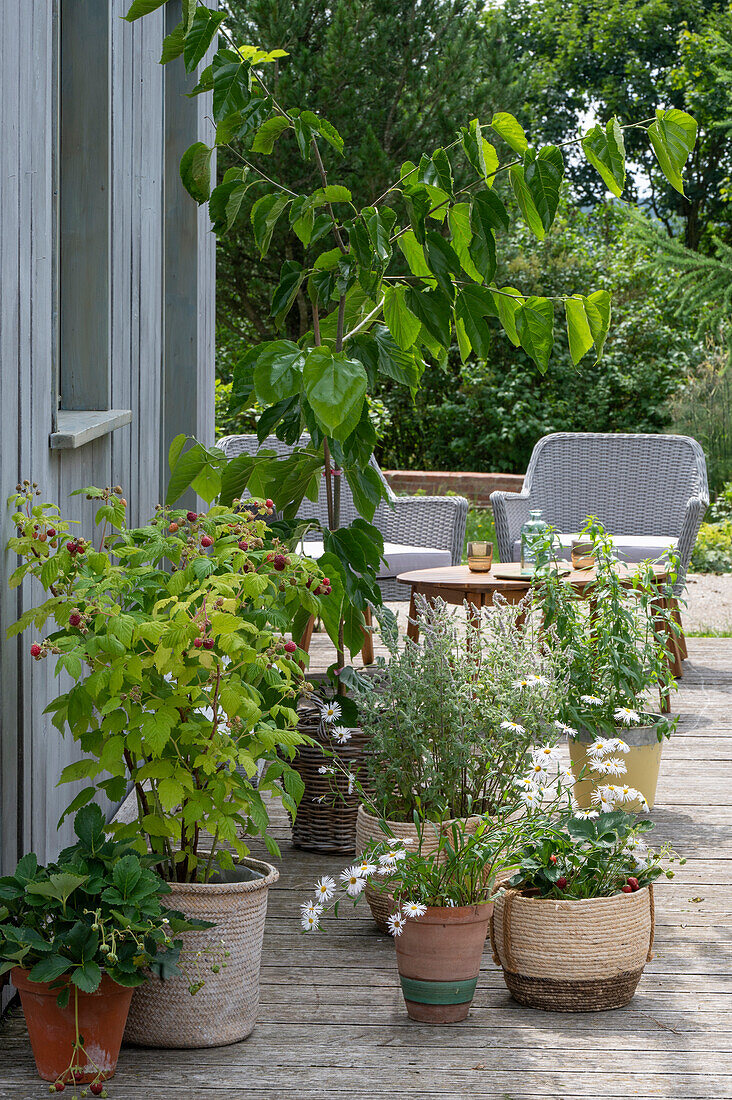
pixel 456 584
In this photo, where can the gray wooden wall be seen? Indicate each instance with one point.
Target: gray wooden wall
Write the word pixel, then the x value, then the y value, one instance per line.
pixel 143 367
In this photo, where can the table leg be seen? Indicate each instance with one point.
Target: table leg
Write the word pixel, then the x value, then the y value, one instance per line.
pixel 307 634
pixel 367 653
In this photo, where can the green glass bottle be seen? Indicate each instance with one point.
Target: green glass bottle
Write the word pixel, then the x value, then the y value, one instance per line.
pixel 533 540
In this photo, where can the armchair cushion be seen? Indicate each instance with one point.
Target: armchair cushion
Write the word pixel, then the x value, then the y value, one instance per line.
pixel 399 558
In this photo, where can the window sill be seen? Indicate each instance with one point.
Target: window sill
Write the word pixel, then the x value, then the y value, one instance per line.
pixel 75 427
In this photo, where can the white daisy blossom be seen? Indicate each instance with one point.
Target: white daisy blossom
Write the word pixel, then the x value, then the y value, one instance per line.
pixel 396 924
pixel 626 715
pixel 309 922
pixel 326 769
pixel 311 909
pixel 514 727
pixel 351 782
pixel 591 700
pixel 617 745
pixel 585 815
pixel 538 768
pixel 529 799
pixel 635 844
pixel 341 734
pixel 391 858
pixel 566 775
pixel 531 681
pixel 325 888
pixel 352 881
pixel 546 752
pixel 414 909
pixel 525 784
pixel 604 798
pixel 570 731
pixel 366 869
pixel 601 746
pixel 611 765
pixel 330 712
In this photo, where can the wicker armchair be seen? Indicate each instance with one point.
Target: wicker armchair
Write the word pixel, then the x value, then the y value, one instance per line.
pixel 419 532
pixel 649 491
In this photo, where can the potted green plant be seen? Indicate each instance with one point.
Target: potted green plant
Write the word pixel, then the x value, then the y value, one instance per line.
pixel 575 926
pixel 185 688
pixel 613 645
pixel 77 936
pixel 438 885
pixel 451 722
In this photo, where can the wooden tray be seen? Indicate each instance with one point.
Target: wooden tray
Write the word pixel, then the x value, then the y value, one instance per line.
pixel 511 570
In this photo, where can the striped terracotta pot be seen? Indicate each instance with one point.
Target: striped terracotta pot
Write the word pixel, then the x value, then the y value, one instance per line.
pixel 573 956
pixel 439 956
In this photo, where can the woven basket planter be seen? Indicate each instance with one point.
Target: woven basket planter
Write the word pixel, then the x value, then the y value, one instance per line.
pixel 642 764
pixel 573 956
pixel 328 825
pixel 368 829
pixel 224 1010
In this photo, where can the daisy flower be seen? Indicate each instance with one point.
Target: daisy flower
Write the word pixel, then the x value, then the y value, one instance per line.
pixel 351 782
pixel 546 752
pixel 514 727
pixel 392 857
pixel 324 769
pixel 591 700
pixel 601 746
pixel 352 882
pixel 414 909
pixel 530 682
pixel 569 731
pixel 585 815
pixel 603 798
pixel 525 784
pixel 310 909
pixel 366 869
pixel 309 922
pixel 626 715
pixel 530 799
pixel 612 765
pixel 635 844
pixel 325 888
pixel 617 745
pixel 330 712
pixel 396 924
pixel 538 768
pixel 565 775
pixel 341 734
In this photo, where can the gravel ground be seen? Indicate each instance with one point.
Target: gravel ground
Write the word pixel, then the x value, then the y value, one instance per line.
pixel 709 604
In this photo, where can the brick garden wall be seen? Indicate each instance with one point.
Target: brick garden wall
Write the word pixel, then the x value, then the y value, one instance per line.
pixel 476 487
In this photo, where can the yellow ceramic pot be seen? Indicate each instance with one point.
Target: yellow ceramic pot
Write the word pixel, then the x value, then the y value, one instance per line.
pixel 642 764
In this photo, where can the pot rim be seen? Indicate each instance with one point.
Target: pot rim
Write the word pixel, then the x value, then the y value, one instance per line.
pixel 271 875
pixel 20 977
pixel 401 822
pixel 635 736
pixel 571 903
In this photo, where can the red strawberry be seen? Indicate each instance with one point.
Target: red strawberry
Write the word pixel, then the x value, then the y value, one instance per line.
pixel 269 503
pixel 562 882
pixel 95 1088
pixel 633 883
pixel 627 889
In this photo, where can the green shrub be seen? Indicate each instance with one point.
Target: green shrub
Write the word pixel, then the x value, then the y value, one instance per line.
pixel 713 550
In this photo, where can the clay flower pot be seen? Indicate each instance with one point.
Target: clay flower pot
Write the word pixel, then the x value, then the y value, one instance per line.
pixel 224 1009
pixel 439 957
pixel 582 955
pixel 52 1030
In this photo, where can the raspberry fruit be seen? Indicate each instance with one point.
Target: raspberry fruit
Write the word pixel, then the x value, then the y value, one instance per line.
pixel 51 532
pixel 562 882
pixel 280 562
pixel 71 547
pixel 74 618
pixel 290 647
pixel 326 582
pixel 243 545
pixel 80 549
pixel 269 503
pixel 208 643
pixel 173 527
pixel 198 642
pixel 35 650
pixel 191 516
pixel 206 541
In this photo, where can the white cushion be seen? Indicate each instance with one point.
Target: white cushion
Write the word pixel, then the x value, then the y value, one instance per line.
pixel 399 559
pixel 630 548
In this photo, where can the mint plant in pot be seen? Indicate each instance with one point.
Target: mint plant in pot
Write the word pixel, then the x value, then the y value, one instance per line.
pixel 613 646
pixel 452 721
pixel 77 937
pixel 185 689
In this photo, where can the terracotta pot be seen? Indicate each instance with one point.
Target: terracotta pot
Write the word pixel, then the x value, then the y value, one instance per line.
pixel 573 956
pixel 642 764
pixel 224 1009
pixel 52 1030
pixel 368 829
pixel 439 957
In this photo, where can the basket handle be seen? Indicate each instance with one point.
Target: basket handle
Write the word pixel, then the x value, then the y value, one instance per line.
pixel 508 899
pixel 652 906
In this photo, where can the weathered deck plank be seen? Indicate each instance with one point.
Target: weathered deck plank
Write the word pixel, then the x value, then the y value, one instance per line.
pixel 332 1021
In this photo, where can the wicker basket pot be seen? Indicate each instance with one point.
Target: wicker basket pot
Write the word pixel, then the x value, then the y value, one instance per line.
pixel 642 763
pixel 368 829
pixel 328 825
pixel 224 1010
pixel 439 956
pixel 573 956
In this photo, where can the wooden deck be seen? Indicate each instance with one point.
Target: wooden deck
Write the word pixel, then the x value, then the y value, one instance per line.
pixel 332 1021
